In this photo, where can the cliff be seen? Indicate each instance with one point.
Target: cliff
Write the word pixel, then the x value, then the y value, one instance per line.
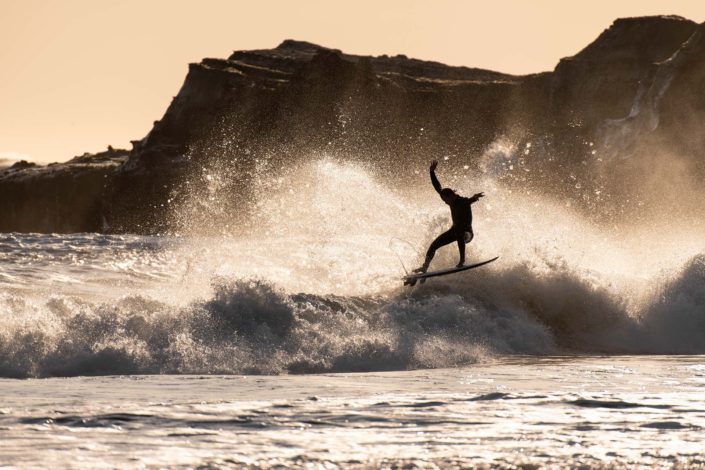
pixel 61 197
pixel 258 111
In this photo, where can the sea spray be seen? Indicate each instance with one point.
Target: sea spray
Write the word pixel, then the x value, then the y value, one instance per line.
pixel 317 288
pixel 250 326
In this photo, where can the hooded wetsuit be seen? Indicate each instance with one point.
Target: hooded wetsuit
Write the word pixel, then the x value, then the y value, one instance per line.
pixel 461 231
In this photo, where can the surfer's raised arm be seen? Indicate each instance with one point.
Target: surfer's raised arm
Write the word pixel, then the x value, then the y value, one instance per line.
pixel 436 184
pixel 476 197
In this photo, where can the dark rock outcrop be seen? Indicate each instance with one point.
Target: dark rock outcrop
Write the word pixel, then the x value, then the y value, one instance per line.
pixel 22 164
pixel 62 197
pixel 638 83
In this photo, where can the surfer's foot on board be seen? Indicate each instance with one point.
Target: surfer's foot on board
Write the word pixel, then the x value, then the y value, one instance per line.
pixel 460 265
pixel 412 282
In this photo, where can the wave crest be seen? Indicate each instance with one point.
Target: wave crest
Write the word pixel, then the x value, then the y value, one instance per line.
pixel 250 326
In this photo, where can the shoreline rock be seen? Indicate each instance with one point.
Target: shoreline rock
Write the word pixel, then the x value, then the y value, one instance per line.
pixel 60 197
pixel 271 108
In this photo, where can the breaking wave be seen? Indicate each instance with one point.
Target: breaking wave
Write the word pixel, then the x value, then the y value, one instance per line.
pixel 318 289
pixel 250 326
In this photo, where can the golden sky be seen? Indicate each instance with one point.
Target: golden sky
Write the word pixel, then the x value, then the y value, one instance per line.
pixel 77 75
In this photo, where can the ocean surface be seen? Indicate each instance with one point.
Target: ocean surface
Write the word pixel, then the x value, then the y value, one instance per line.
pixel 296 345
pixel 555 411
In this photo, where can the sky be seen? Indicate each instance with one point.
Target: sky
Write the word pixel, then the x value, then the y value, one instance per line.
pixel 79 75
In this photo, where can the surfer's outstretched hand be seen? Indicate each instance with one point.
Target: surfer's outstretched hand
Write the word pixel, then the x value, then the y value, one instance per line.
pixel 434 164
pixel 479 195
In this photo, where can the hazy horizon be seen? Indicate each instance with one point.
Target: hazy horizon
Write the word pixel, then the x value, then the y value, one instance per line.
pixel 80 76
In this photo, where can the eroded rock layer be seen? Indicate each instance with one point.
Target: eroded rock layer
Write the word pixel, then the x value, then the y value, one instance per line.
pixel 635 92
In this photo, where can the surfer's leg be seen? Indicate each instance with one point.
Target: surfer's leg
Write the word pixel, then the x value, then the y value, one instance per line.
pixel 443 239
pixel 463 239
pixel 460 237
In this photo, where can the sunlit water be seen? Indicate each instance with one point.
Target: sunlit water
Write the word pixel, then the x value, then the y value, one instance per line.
pixel 552 411
pixel 296 344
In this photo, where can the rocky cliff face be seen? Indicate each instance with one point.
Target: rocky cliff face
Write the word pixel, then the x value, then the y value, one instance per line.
pixel 66 197
pixel 258 111
pixel 275 107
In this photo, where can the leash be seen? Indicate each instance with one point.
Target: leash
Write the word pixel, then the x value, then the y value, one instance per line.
pixel 397 254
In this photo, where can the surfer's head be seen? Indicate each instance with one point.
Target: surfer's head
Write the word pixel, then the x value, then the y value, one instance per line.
pixel 448 195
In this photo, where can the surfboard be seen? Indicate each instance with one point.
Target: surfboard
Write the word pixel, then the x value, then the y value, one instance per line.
pixel 412 278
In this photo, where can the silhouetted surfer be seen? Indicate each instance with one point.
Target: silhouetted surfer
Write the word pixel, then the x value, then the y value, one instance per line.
pixel 461 213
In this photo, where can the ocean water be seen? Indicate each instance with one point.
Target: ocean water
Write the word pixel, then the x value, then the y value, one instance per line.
pixel 643 411
pixel 296 345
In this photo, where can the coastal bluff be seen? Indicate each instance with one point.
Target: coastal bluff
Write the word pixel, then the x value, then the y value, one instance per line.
pixel 637 89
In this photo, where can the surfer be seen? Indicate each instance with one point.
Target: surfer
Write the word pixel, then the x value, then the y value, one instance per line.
pixel 461 214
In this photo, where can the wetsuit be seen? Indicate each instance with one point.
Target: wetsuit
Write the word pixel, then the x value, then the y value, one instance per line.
pixel 461 231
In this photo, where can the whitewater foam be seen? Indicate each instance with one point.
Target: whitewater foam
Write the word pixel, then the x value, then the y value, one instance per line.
pixel 318 289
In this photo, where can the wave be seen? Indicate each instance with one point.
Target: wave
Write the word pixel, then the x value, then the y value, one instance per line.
pixel 675 319
pixel 316 289
pixel 249 326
